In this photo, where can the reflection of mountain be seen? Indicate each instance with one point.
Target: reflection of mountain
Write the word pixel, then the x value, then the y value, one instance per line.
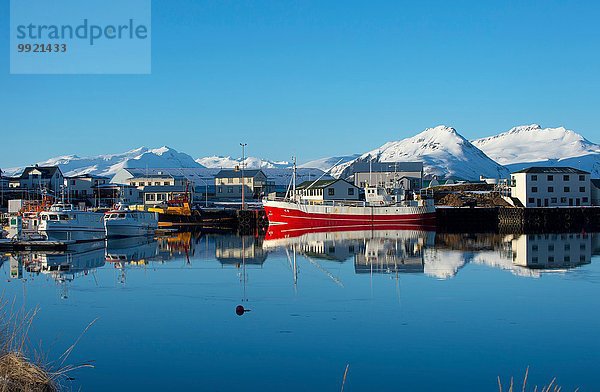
pixel 233 249
pixel 131 250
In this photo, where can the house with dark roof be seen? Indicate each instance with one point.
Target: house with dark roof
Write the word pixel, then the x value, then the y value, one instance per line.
pixel 229 182
pixel 551 187
pixel 334 189
pixel 41 178
pixel 84 187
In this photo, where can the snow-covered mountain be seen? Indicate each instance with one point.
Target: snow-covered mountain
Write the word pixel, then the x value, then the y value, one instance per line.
pixel 329 162
pixel 444 152
pixel 107 165
pixel 532 145
pixel 221 162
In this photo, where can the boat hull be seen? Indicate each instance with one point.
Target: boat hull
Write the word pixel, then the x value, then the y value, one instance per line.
pixel 294 215
pixel 73 234
pixel 129 230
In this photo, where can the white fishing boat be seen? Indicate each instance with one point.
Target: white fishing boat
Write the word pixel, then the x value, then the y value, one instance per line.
pixel 63 222
pixel 123 222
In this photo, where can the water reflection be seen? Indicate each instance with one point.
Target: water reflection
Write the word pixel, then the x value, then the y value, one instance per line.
pixel 441 256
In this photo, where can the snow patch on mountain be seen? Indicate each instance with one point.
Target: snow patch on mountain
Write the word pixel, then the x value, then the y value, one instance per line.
pixel 443 151
pixel 532 145
pixel 108 165
pixel 329 162
pixel 227 162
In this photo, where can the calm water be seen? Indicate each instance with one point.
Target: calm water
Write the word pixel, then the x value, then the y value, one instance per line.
pixel 406 310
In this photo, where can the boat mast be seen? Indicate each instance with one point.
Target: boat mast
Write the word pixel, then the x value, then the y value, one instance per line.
pixel 294 181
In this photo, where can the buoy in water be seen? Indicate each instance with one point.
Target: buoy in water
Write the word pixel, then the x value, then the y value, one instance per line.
pixel 240 310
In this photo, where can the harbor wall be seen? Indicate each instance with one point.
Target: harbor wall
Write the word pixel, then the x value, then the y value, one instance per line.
pixel 518 220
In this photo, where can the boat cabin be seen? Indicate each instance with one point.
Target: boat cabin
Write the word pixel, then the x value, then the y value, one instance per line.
pixel 327 190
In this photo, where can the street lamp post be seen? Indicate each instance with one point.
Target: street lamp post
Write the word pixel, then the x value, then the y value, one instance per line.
pixel 242 179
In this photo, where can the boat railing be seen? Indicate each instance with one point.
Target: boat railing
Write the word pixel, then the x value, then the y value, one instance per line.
pixel 349 203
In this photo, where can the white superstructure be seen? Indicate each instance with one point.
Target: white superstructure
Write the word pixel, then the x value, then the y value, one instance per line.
pixel 63 222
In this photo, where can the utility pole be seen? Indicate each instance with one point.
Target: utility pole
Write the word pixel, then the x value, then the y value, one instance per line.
pixel 242 180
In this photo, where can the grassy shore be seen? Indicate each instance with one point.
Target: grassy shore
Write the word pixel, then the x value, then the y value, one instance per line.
pixel 22 368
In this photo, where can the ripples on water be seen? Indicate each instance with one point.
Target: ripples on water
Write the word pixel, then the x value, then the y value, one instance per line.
pixel 407 310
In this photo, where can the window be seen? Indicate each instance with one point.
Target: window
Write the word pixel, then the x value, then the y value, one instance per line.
pixel 567 247
pixel 551 248
pixel 132 183
pixel 553 200
pixel 582 258
pixel 550 189
pixel 551 259
pixel 531 200
pixel 150 197
pixel 230 180
pixel 585 199
pixel 84 192
pixel 534 189
pixel 567 189
pixel 220 189
pixel 160 197
pixel 142 183
pixel 166 183
pixel 229 189
pixel 563 199
pixel 550 177
pixel 534 177
pixel 582 178
pixel 534 259
pixel 534 248
pixel 566 177
pixel 581 189
pixel 331 191
pixel 582 247
pixel 157 183
pixel 72 182
pixel 350 191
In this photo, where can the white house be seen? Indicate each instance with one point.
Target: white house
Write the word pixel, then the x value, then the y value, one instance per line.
pixel 84 186
pixel 327 190
pixel 595 192
pixel 551 187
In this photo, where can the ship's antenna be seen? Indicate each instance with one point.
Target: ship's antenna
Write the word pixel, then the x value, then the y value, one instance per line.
pixel 324 173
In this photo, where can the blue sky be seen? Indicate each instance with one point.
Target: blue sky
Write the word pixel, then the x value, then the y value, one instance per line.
pixel 316 78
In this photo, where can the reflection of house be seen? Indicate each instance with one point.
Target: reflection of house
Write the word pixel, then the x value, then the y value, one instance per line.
pixel 233 249
pixel 551 187
pixel 327 190
pixel 552 251
pixel 390 256
pixel 331 250
pixel 228 184
pixel 391 175
pixel 39 177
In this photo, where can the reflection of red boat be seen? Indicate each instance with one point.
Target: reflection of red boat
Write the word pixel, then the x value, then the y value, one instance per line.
pixel 275 232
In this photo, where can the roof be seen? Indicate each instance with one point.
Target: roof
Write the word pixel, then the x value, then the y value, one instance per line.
pixel 550 170
pixel 169 188
pixel 321 184
pixel 93 176
pixel 136 176
pixel 231 173
pixel 47 171
pixel 365 167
